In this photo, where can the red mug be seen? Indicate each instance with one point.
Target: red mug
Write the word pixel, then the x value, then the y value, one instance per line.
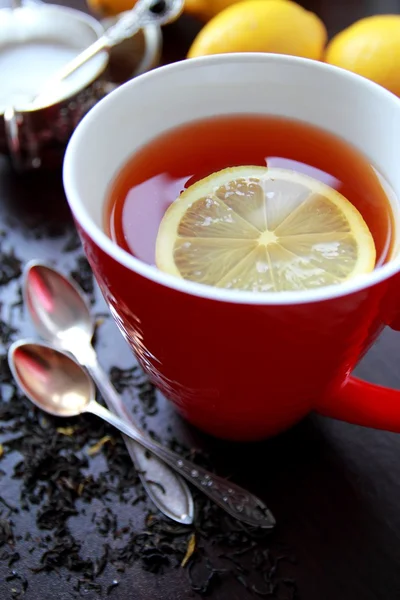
pixel 242 365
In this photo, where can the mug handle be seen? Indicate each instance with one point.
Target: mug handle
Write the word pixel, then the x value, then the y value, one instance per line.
pixel 365 404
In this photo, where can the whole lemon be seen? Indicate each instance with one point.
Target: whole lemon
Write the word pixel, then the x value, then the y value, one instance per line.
pixel 278 26
pixel 370 47
pixel 206 9
pixel 110 8
pixel 201 9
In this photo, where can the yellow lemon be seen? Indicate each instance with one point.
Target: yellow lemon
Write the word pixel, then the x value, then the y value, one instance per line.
pixel 201 9
pixel 278 26
pixel 370 47
pixel 110 8
pixel 206 9
pixel 263 230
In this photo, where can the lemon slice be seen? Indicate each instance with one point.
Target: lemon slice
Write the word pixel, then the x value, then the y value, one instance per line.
pixel 263 230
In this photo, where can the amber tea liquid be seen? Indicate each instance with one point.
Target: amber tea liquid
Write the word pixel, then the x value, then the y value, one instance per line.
pixel 155 175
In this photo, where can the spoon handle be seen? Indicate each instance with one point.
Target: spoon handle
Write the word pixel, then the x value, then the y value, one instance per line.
pixel 233 499
pixel 167 490
pixel 73 65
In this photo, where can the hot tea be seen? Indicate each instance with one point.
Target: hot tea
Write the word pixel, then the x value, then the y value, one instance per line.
pixel 157 174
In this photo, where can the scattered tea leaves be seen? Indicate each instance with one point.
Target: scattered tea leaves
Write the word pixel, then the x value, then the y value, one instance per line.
pixel 123 379
pixel 7 333
pixel 134 379
pixel 84 277
pixel 6 532
pixel 10 267
pixel 20 584
pixel 75 476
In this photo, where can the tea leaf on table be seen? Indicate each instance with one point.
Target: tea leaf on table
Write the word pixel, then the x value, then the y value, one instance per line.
pixel 190 549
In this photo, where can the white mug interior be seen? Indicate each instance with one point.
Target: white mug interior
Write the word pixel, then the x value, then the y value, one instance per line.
pixel 357 110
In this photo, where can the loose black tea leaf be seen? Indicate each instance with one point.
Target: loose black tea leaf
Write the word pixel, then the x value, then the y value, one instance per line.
pixel 73 242
pixel 189 551
pixel 6 532
pixel 123 379
pixel 134 380
pixel 84 277
pixel 66 430
pixel 95 449
pixel 20 581
pixel 15 557
pixel 11 508
pixel 10 267
pixel 101 563
pixel 204 584
pixel 91 521
pixel 7 333
pixel 112 587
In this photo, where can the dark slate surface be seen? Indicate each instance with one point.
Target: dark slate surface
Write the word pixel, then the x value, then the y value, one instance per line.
pixel 334 488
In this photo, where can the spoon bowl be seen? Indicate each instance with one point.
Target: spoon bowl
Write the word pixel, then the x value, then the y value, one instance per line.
pixel 58 310
pixel 51 380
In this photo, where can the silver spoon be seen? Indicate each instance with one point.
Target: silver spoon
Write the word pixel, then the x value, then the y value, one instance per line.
pixel 53 381
pixel 145 12
pixel 61 316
